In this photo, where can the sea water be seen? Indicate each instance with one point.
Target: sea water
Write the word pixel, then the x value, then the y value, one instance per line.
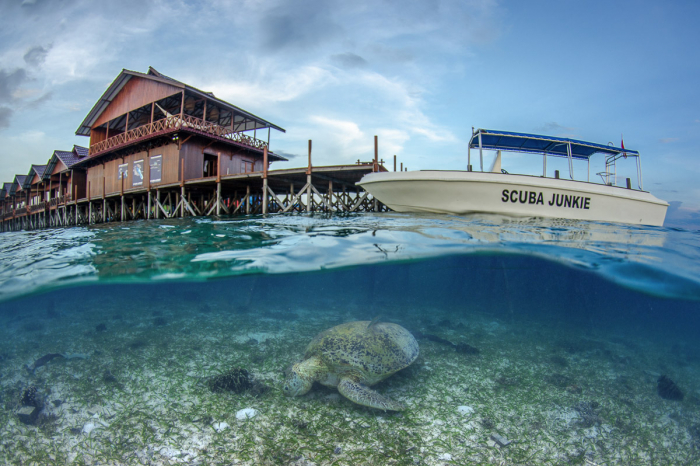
pixel 541 341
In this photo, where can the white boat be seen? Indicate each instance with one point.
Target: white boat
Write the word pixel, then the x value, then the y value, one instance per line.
pixel 497 191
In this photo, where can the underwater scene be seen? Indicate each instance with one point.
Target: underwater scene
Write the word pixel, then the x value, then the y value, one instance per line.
pixel 350 339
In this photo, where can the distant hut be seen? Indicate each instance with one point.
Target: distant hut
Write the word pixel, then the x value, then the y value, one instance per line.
pixel 63 181
pixel 20 194
pixel 34 184
pixel 3 200
pixel 8 198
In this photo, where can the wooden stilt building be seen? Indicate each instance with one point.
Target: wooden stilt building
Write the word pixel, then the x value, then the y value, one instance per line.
pixel 160 148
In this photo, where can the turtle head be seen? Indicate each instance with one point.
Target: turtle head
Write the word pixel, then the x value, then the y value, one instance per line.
pixel 298 381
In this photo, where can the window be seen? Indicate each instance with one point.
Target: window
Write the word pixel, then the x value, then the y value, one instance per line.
pixel 137 173
pixel 246 166
pixel 123 170
pixel 210 165
pixel 156 166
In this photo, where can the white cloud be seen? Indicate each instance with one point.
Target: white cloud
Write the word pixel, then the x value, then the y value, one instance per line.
pixel 345 132
pixel 271 86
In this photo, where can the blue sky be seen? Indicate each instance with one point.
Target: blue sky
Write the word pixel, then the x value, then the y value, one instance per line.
pixel 417 74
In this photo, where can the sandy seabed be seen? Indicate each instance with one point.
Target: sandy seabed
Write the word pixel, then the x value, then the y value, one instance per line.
pixel 560 394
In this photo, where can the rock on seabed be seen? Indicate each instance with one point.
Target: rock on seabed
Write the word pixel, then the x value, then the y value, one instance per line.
pixel 246 413
pixel 220 426
pixel 465 410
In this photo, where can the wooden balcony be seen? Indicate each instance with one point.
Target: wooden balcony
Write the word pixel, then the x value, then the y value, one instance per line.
pixel 172 124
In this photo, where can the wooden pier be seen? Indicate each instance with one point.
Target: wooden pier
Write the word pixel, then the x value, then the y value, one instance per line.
pixel 321 189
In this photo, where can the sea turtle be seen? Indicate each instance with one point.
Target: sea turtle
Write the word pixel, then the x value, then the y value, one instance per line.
pixel 353 356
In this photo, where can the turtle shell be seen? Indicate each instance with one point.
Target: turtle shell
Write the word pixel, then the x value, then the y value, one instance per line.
pixel 372 351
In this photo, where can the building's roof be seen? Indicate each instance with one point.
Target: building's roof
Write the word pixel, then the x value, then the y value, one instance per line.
pixel 8 188
pixel 80 152
pixel 19 181
pixel 38 169
pixel 34 169
pixel 126 75
pixel 69 158
pixel 537 144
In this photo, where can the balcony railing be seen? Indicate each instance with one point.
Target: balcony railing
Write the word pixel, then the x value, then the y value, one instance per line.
pixel 175 123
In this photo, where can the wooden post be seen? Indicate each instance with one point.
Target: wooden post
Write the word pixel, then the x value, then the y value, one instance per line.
pixel 148 208
pixel 330 196
pixel 157 208
pixel 182 172
pixel 133 208
pixel 89 197
pixel 394 162
pixel 309 195
pixel 247 199
pixel 182 199
pixel 104 202
pixel 375 166
pixel 308 171
pixel 308 181
pixel 153 107
pixel 264 196
pixel 218 198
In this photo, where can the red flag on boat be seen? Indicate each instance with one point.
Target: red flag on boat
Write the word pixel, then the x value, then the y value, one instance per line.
pixel 622 144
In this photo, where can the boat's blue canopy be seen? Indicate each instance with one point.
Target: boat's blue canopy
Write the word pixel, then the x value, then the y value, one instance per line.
pixel 537 144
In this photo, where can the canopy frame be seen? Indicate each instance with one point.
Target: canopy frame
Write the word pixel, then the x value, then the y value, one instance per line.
pixel 572 149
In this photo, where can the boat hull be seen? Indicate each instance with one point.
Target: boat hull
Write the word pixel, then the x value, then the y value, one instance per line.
pixel 457 192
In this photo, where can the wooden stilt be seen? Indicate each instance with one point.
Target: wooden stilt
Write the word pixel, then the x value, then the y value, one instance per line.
pixel 330 196
pixel 309 196
pixel 264 194
pixel 218 198
pixel 157 203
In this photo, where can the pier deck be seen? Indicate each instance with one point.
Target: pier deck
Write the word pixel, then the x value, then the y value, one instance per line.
pixel 307 189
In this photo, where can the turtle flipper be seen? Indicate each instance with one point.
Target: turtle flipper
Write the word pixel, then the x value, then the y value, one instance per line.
pixel 363 395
